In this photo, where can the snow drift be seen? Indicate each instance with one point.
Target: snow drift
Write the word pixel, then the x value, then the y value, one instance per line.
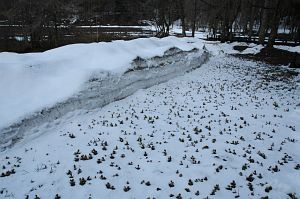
pixel 37 88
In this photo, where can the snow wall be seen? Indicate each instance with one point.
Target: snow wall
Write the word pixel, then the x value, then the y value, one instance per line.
pixel 104 88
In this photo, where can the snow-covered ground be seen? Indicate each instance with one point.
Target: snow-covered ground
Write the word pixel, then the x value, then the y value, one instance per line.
pixel 33 81
pixel 85 77
pixel 226 130
pixel 38 87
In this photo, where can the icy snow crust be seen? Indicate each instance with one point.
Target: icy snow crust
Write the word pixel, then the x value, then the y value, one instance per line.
pixel 82 76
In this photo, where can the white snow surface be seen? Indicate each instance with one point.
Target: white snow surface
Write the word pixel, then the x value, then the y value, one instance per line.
pixel 289 48
pixel 30 82
pixel 229 129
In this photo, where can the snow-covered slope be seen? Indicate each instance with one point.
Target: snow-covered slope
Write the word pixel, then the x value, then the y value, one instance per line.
pixel 41 87
pixel 229 129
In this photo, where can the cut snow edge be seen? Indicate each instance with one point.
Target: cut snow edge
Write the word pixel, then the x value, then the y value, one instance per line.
pixel 91 87
pixel 33 81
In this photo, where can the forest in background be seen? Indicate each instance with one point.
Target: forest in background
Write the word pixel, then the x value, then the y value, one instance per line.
pixel 37 25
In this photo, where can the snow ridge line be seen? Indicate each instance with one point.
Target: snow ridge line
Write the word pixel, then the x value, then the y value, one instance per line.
pixel 99 91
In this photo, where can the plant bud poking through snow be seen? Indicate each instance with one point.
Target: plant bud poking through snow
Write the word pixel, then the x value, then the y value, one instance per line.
pixel 126 188
pixel 171 184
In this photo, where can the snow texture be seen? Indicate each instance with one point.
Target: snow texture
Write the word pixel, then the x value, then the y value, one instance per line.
pixel 229 129
pixel 41 87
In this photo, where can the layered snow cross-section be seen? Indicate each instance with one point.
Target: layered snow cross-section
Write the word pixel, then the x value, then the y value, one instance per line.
pixel 99 86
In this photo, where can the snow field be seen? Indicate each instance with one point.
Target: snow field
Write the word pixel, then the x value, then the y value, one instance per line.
pixel 229 129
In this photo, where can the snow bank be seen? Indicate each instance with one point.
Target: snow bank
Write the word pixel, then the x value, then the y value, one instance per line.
pixel 253 49
pixel 289 48
pixel 216 48
pixel 40 87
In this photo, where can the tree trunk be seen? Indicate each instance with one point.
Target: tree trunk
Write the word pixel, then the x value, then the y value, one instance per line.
pixel 251 24
pixel 224 29
pixel 264 23
pixel 181 10
pixel 55 30
pixel 274 25
pixel 296 37
pixel 183 25
pixel 194 18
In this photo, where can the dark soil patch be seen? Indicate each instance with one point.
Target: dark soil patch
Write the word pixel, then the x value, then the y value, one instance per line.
pixel 240 48
pixel 275 56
